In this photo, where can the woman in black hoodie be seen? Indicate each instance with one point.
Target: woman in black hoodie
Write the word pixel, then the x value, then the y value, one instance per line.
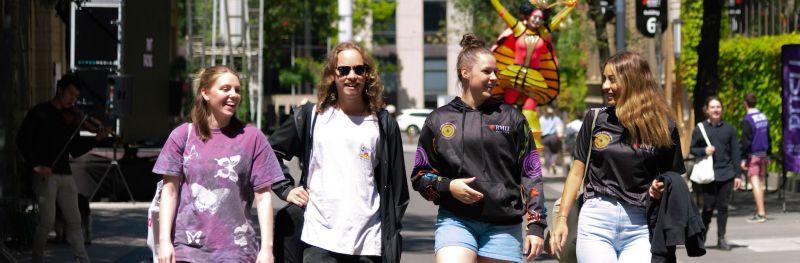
pixel 477 160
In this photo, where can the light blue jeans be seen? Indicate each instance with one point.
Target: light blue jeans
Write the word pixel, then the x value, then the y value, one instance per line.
pixel 612 231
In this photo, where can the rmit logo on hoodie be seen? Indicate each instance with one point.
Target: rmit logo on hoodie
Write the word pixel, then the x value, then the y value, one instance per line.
pixel 499 128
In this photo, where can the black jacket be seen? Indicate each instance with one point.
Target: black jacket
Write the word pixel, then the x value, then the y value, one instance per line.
pixel 44 133
pixel 493 144
pixel 726 156
pixel 674 220
pixel 292 139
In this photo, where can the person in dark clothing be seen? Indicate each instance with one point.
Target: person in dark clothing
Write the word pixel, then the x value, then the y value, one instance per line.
pixel 45 140
pixel 756 148
pixel 353 187
pixel 725 151
pixel 633 140
pixel 673 220
pixel 477 160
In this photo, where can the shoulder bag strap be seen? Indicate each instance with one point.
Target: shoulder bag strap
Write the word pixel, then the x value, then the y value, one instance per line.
pixel 596 111
pixel 703 131
pixel 185 143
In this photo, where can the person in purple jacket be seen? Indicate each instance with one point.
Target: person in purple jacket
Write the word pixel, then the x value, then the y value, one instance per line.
pixel 213 168
pixel 756 149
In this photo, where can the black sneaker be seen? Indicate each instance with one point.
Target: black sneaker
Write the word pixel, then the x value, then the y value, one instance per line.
pixel 757 219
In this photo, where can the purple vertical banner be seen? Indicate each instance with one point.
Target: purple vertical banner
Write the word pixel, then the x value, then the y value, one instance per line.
pixel 791 107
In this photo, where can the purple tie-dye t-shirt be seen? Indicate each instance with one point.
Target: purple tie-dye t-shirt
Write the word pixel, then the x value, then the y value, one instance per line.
pixel 213 222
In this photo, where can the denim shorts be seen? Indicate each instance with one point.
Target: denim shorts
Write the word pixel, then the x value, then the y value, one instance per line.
pixel 503 242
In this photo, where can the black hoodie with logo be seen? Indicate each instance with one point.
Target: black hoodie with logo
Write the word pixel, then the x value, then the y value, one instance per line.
pixel 492 143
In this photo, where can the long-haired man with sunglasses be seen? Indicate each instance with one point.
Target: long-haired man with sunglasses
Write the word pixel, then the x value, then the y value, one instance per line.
pixel 352 188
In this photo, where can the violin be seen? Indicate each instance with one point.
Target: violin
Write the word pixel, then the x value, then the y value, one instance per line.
pixel 73 116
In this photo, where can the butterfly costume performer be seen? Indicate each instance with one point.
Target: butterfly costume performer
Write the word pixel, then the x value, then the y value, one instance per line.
pixel 526 59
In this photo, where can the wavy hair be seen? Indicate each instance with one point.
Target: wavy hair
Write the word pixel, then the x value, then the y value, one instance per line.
pixel 373 86
pixel 640 108
pixel 203 79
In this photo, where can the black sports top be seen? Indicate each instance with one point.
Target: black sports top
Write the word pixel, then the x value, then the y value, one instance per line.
pixel 618 168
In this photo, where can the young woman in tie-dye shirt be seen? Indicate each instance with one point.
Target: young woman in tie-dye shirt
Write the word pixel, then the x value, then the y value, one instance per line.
pixel 211 178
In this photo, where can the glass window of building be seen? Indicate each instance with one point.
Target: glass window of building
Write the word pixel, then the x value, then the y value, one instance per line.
pixel 435 21
pixel 435 80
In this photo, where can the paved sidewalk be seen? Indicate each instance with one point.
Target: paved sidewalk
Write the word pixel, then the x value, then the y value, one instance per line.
pixel 120 232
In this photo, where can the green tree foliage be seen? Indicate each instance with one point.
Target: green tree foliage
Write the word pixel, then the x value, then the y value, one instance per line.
pixel 753 65
pixel 692 15
pixel 305 69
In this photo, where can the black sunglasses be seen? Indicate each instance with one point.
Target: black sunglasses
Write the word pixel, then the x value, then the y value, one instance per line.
pixel 345 70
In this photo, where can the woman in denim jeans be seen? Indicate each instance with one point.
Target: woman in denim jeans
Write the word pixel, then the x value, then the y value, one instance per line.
pixel 633 140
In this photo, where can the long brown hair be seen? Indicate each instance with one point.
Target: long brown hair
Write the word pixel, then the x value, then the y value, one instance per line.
pixel 373 86
pixel 641 108
pixel 203 79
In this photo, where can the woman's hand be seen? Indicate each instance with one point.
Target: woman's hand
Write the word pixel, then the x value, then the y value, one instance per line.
pixel 462 192
pixel 656 189
pixel 298 196
pixel 166 252
pixel 533 246
pixel 710 150
pixel 265 256
pixel 558 236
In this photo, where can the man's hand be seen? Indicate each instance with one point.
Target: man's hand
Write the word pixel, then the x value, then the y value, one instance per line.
pixel 298 196
pixel 462 192
pixel 533 246
pixel 44 171
pixel 102 134
pixel 737 183
pixel 743 165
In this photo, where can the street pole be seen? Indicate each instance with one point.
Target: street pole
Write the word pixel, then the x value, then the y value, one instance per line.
pixel 345 20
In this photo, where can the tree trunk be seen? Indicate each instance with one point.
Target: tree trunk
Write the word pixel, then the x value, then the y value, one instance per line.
pixel 600 20
pixel 708 55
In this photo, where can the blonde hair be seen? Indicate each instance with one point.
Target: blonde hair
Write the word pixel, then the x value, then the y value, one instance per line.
pixel 640 108
pixel 373 86
pixel 203 79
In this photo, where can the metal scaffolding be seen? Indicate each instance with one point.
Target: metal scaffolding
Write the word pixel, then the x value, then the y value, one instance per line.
pixel 228 39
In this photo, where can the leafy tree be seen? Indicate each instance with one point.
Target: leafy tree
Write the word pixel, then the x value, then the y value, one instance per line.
pixel 600 20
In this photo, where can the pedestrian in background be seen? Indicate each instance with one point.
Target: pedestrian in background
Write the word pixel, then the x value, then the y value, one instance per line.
pixel 633 140
pixel 353 185
pixel 756 148
pixel 213 169
pixel 552 137
pixel 725 151
pixel 46 139
pixel 477 161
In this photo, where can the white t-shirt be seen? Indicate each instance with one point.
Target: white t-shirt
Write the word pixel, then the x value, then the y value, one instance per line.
pixel 342 214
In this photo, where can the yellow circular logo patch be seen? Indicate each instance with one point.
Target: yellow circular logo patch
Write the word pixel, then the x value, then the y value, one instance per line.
pixel 448 130
pixel 602 140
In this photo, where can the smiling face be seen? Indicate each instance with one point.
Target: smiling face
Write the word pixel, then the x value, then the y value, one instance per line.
pixel 714 110
pixel 350 86
pixel 610 87
pixel 535 19
pixel 482 77
pixel 223 96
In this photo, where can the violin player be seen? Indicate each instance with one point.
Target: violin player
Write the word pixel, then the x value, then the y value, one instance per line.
pixel 46 139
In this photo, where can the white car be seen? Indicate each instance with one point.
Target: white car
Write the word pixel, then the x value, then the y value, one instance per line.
pixel 411 120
